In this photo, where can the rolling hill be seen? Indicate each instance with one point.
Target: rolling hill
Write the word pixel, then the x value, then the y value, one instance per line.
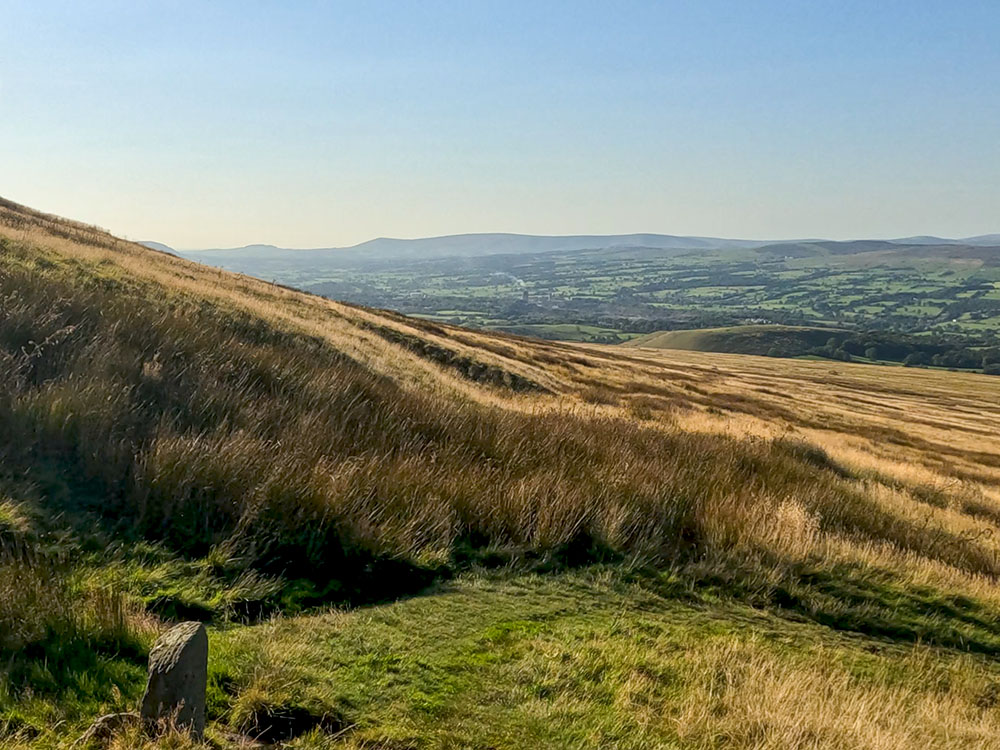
pixel 610 292
pixel 461 246
pixel 483 244
pixel 748 339
pixel 410 534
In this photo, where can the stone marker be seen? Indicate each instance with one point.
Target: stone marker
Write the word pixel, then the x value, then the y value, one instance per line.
pixel 178 673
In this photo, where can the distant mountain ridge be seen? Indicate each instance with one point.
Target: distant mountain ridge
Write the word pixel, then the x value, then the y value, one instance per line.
pixel 498 243
pixel 502 244
pixel 477 245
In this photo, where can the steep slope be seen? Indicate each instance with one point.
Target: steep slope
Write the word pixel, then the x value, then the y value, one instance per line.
pixel 159 246
pixel 216 414
pixel 179 442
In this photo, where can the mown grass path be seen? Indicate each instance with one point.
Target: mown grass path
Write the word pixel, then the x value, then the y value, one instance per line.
pixel 589 659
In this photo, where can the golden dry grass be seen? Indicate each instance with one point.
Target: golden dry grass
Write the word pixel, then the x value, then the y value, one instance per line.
pixel 919 445
pixel 922 445
pixel 322 428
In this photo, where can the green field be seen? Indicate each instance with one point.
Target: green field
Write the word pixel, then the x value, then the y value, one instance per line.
pixel 909 289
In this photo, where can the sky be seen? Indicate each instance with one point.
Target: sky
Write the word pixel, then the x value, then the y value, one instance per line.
pixel 317 124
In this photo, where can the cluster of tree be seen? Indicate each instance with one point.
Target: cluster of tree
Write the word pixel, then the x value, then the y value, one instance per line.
pixel 911 351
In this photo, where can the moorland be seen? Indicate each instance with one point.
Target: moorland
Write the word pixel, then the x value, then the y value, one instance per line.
pixel 404 533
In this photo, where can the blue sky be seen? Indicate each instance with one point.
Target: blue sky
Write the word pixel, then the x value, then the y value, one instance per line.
pixel 213 124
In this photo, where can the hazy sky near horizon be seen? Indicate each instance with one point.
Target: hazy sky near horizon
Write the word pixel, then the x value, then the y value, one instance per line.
pixel 305 124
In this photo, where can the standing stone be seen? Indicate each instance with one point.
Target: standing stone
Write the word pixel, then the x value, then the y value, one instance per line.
pixel 178 674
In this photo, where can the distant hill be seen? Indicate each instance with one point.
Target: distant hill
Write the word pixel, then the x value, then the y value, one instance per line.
pixel 461 245
pixel 926 240
pixel 294 266
pixel 503 244
pixel 983 239
pixel 923 246
pixel 631 286
pixel 484 244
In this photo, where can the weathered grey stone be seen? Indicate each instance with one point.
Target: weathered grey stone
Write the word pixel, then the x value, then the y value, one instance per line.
pixel 178 673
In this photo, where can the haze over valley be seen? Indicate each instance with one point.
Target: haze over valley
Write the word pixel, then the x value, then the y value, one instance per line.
pixel 705 456
pixel 916 298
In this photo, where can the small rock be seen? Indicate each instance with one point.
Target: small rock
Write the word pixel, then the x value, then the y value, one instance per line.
pixel 178 674
pixel 106 727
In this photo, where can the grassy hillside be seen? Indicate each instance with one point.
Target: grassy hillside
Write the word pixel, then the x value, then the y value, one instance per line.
pixel 611 548
pixel 748 339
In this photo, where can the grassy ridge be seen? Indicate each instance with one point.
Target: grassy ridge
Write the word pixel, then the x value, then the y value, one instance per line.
pixel 748 339
pixel 177 442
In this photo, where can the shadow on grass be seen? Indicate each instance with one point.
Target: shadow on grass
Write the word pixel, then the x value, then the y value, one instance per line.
pixel 358 578
pixel 476 551
pixel 79 523
pixel 76 675
pixel 855 599
pixel 277 724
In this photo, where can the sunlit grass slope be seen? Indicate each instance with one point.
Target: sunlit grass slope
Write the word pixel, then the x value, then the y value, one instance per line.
pixel 619 548
pixel 753 339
